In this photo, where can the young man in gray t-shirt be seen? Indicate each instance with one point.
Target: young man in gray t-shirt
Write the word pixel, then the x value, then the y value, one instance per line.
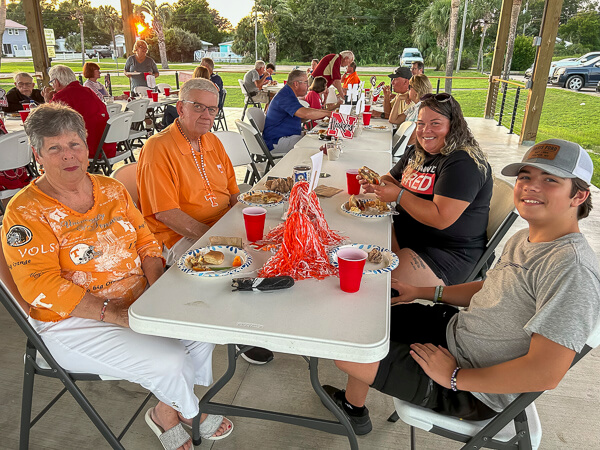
pixel 520 328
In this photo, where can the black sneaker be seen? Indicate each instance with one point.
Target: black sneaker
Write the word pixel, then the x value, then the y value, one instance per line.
pixel 361 422
pixel 257 355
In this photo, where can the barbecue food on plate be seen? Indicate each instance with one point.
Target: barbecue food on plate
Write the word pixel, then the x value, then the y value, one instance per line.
pixel 283 185
pixel 375 256
pixel 262 197
pixel 200 262
pixel 214 258
pixel 369 175
pixel 367 207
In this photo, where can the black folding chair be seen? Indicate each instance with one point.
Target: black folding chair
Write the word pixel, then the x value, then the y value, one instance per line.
pixel 39 361
pixel 220 121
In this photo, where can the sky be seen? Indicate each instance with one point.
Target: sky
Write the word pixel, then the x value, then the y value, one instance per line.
pixel 233 10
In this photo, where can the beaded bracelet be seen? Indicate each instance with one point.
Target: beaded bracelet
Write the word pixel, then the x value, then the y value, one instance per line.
pixel 103 312
pixel 453 379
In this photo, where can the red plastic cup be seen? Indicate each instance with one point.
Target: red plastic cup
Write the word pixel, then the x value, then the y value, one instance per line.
pixel 155 96
pixel 24 114
pixel 167 91
pixel 149 92
pixel 25 106
pixel 366 118
pixel 127 93
pixel 284 82
pixel 367 108
pixel 254 220
pixel 351 262
pixel 352 182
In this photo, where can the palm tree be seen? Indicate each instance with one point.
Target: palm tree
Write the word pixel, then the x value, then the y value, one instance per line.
pixel 431 32
pixel 512 32
pixel 107 15
pixel 159 15
pixel 271 11
pixel 454 7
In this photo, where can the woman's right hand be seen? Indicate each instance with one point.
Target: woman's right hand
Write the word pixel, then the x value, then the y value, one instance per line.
pixel 407 293
pixel 367 187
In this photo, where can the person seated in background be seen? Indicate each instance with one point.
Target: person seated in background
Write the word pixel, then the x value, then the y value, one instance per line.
pixel 283 123
pixel 91 71
pixel 215 78
pixel 99 258
pixel 350 77
pixel 65 88
pixel 254 80
pixel 270 71
pixel 201 72
pixel 418 87
pixel 23 92
pixel 316 96
pixel 394 107
pixel 313 64
pixel 519 329
pixel 330 67
pixel 417 68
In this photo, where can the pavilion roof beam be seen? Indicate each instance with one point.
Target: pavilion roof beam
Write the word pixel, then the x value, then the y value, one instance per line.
pixel 37 40
pixel 129 30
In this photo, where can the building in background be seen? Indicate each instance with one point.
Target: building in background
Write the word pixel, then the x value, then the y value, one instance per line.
pixel 14 40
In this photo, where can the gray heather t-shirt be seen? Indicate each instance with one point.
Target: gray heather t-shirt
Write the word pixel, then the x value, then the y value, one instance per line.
pixel 132 65
pixel 249 80
pixel 548 288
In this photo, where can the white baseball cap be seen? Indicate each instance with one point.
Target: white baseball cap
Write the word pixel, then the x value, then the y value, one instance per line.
pixel 561 158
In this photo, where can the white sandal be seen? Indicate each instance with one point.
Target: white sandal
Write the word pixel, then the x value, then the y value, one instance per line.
pixel 171 439
pixel 210 426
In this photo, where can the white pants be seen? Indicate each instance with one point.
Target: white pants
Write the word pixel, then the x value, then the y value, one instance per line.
pixel 173 254
pixel 285 144
pixel 168 367
pixel 260 97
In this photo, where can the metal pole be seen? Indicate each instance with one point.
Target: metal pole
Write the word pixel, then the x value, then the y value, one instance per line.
pixel 462 36
pixel 255 33
pixel 502 104
pixel 512 122
pixel 437 90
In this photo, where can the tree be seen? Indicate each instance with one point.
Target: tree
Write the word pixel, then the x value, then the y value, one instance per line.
pixel 454 9
pixel 430 32
pixel 514 16
pixel 271 12
pixel 108 16
pixel 197 17
pixel 584 29
pixel 243 40
pixel 159 15
pixel 76 11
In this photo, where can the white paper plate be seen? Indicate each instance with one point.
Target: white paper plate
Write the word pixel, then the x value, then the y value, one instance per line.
pixel 377 128
pixel 391 212
pixel 389 262
pixel 264 205
pixel 228 251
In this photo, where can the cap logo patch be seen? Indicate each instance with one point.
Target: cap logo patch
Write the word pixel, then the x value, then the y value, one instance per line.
pixel 544 151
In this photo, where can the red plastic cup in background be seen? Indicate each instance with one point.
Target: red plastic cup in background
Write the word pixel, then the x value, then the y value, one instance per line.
pixel 254 220
pixel 367 108
pixel 167 91
pixel 351 262
pixel 352 182
pixel 127 93
pixel 25 106
pixel 155 96
pixel 24 114
pixel 149 92
pixel 366 118
pixel 284 82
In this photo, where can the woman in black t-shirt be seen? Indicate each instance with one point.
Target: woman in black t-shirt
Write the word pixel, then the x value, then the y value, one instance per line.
pixel 442 186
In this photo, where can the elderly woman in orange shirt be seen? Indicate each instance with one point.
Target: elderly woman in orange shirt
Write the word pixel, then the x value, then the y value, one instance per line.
pixel 80 253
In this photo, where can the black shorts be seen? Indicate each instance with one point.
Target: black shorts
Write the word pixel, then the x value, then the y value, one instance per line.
pixel 452 265
pixel 400 376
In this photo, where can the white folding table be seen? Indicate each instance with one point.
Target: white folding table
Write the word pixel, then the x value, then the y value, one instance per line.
pixel 314 318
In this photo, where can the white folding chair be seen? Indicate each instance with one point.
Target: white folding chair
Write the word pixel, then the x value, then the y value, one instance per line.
pixel 248 99
pixel 113 108
pixel 256 117
pixel 238 154
pixel 256 146
pixel 15 152
pixel 161 87
pixel 402 136
pixel 517 427
pixel 304 103
pixel 116 131
pixel 142 91
pixel 138 126
pixel 126 175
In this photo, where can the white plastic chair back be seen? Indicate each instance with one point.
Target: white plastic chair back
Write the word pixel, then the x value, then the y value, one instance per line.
pixel 126 174
pixel 405 129
pixel 141 90
pixel 113 108
pixel 15 150
pixel 243 88
pixel 501 203
pixel 139 108
pixel 258 115
pixel 248 132
pixel 331 97
pixel 304 103
pixel 161 87
pixel 235 147
pixel 119 126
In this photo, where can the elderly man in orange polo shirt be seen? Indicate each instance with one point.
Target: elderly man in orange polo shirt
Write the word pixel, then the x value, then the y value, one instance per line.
pixel 185 180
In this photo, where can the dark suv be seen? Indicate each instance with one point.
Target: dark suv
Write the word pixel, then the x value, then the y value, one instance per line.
pixel 102 50
pixel 576 77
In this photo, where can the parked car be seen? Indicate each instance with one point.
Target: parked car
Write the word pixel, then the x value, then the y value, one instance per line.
pixel 572 62
pixel 529 72
pixel 598 87
pixel 409 56
pixel 102 50
pixel 576 77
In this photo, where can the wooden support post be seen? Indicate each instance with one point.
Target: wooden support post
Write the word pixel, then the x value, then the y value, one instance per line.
pixel 543 59
pixel 499 53
pixel 37 40
pixel 129 30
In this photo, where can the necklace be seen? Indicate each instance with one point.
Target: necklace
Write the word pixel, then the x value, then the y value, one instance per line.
pixel 210 196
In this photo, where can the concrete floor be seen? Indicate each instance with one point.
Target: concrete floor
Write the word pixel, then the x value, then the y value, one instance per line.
pixel 569 414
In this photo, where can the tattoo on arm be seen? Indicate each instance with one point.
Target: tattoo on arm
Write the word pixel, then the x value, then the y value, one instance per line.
pixel 417 263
